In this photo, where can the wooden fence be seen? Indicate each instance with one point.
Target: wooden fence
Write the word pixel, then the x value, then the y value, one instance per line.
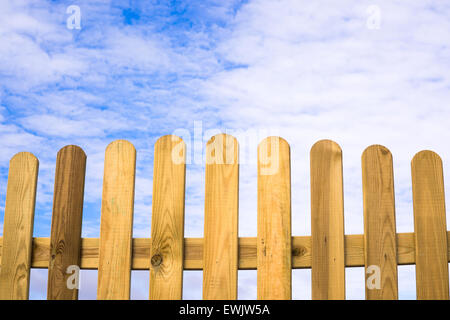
pixel 273 253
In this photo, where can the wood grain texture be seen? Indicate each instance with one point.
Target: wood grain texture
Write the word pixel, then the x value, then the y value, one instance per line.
pixel 116 224
pixel 167 249
pixel 18 227
pixel 379 221
pixel 274 256
pixel 430 227
pixel 327 222
pixel 65 240
pixel 220 255
pixel 193 252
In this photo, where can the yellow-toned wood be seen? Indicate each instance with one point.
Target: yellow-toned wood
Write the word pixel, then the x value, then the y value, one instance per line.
pixel 65 243
pixel 193 252
pixel 274 220
pixel 167 246
pixel 430 227
pixel 379 223
pixel 116 224
pixel 220 255
pixel 327 222
pixel 18 227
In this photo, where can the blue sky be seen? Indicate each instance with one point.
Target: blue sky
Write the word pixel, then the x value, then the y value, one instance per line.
pixel 304 70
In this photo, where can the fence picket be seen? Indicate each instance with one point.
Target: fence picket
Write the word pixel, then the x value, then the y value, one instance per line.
pixel 65 240
pixel 167 246
pixel 116 224
pixel 327 222
pixel 380 249
pixel 18 227
pixel 274 256
pixel 220 254
pixel 430 227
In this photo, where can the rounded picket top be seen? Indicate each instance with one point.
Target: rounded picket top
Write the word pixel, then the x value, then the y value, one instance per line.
pixel 174 145
pixel 281 141
pixel 274 154
pixel 222 149
pixel 226 136
pixel 24 156
pixel 169 138
pixel 23 160
pixel 325 145
pixel 124 145
pixel 376 149
pixel 426 155
pixel 75 150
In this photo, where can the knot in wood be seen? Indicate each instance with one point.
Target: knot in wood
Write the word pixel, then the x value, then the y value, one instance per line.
pixel 298 251
pixel 156 260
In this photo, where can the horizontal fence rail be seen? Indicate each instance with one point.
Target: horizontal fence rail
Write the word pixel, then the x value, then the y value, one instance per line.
pixel 274 252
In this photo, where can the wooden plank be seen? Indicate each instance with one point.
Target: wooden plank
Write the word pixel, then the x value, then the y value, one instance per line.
pixel 220 254
pixel 65 240
pixel 193 252
pixel 430 227
pixel 274 220
pixel 327 222
pixel 116 224
pixel 379 224
pixel 167 246
pixel 18 227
